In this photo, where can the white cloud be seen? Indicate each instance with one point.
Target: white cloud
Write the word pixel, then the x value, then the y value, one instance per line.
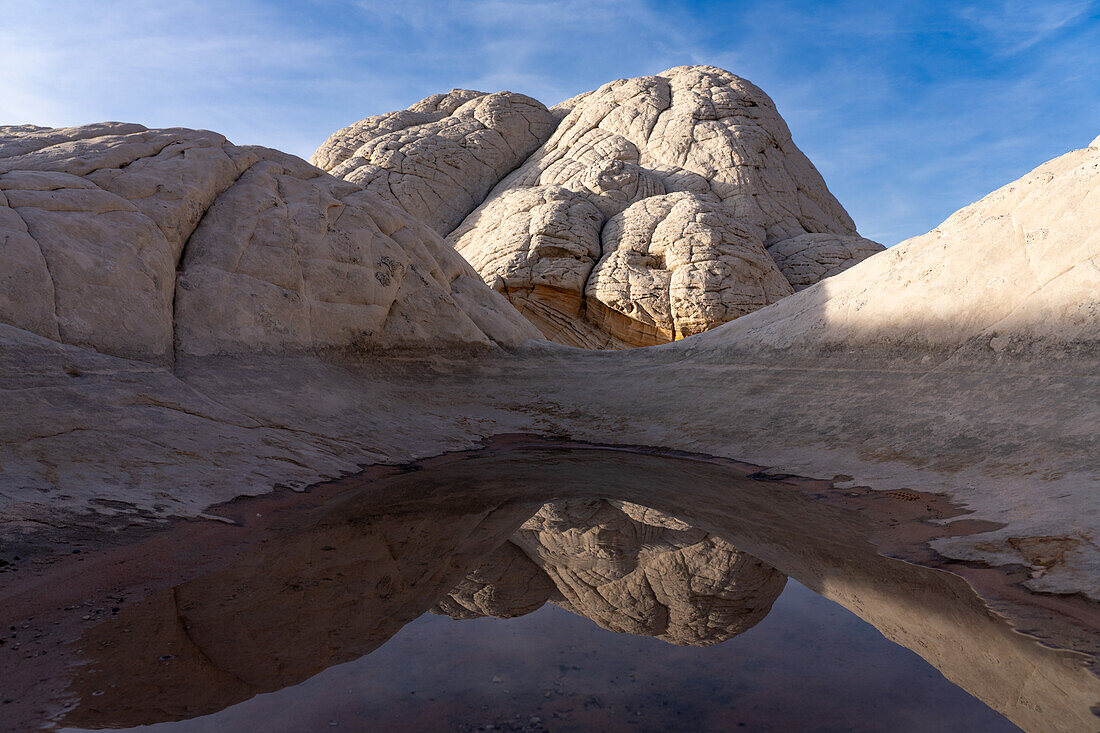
pixel 1014 26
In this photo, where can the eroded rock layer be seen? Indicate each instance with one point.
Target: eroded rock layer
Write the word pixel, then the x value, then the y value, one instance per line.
pixel 138 243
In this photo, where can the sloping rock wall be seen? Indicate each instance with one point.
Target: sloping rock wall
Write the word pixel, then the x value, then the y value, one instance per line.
pixel 138 243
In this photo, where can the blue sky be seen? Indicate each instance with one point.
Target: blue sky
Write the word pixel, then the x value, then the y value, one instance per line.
pixel 909 109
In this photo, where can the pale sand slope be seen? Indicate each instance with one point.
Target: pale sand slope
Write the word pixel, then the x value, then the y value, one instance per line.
pixel 962 361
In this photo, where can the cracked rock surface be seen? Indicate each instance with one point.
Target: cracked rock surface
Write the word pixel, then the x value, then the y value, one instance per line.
pixel 143 243
pixel 810 258
pixel 676 265
pixel 655 207
pixel 692 174
pixel 438 159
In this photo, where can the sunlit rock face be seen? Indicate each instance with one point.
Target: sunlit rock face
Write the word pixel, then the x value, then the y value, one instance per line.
pixel 140 243
pixel 438 159
pixel 545 241
pixel 629 568
pixel 695 180
pixel 675 265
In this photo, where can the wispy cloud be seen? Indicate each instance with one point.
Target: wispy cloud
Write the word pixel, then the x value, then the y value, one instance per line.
pixel 182 63
pixel 1017 25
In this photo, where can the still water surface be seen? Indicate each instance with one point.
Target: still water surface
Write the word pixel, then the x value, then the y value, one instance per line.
pixel 809 666
pixel 568 590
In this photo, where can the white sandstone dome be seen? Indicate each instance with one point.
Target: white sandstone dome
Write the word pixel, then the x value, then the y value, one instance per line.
pixel 695 163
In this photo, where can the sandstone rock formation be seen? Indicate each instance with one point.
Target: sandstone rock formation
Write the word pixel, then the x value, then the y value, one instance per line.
pixel 1014 275
pixel 810 258
pixel 544 244
pixel 960 362
pixel 693 173
pixel 969 320
pixel 642 219
pixel 138 243
pixel 675 265
pixel 629 568
pixel 438 159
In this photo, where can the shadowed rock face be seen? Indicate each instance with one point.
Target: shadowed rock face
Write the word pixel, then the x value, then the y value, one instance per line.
pixel 642 219
pixel 629 568
pixel 138 243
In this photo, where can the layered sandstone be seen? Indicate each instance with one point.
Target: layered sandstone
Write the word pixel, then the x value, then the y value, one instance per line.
pixel 689 175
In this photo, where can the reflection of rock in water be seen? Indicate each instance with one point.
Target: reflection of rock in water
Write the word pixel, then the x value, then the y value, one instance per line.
pixel 342 582
pixel 629 568
pixel 333 583
pixel 506 584
pixel 299 601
